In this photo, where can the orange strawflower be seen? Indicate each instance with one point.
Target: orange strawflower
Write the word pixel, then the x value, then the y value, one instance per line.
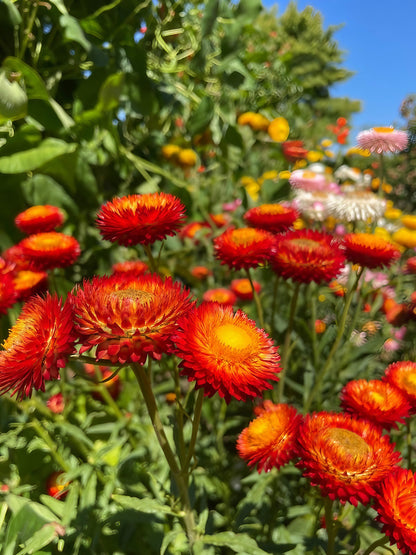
pixel 136 267
pixel 55 486
pixel 50 250
pixel 200 272
pixel 220 295
pixel 56 403
pixel 269 441
pixel 140 219
pixel 39 345
pixel 192 230
pixel 368 250
pixel 225 352
pixel 242 288
pixel 8 294
pixel 245 247
pixel 38 219
pixel 306 255
pixel 271 217
pixel 402 374
pixel 28 282
pixel 380 402
pixel 128 318
pixel 395 505
pixel 320 326
pixel 346 457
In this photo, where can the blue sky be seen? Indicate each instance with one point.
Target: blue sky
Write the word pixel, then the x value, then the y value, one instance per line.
pixel 378 37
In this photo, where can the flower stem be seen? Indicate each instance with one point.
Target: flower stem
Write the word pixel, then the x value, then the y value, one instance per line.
pixel 274 302
pixel 256 299
pixel 377 543
pixel 286 346
pixel 330 525
pixel 341 328
pixel 151 259
pixel 195 427
pixel 180 477
pixel 43 434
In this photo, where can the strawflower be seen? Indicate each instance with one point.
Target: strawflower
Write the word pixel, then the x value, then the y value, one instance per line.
pixel 294 150
pixel 395 505
pixel 220 295
pixel 39 345
pixel 56 403
pixel 40 218
pixel 55 486
pixel 308 180
pixel 140 219
pixel 402 374
pixel 28 282
pixel 8 293
pixel 307 255
pixel 244 247
pixel 346 457
pixel 382 139
pixel 225 352
pixel 378 401
pixel 128 318
pixel 409 221
pixel 369 251
pixel 271 217
pixel 242 288
pixel 278 129
pixel 405 237
pixel 269 441
pixel 135 267
pixel 50 250
pixel 356 206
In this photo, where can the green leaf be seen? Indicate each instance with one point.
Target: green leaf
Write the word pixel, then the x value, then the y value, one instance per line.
pixel 150 506
pixel 210 14
pixel 110 92
pixel 240 543
pixel 73 31
pixel 35 87
pixel 59 5
pixel 13 99
pixel 41 538
pixel 55 505
pixel 34 158
pixel 9 13
pixel 202 116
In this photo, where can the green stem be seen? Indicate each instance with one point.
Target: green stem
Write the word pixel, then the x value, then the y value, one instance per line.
pixel 409 444
pixel 312 305
pixel 179 420
pixel 274 302
pixel 341 328
pixel 28 30
pixel 256 299
pixel 378 543
pixel 152 262
pixel 179 477
pixel 43 434
pixel 330 525
pixel 195 427
pixel 286 346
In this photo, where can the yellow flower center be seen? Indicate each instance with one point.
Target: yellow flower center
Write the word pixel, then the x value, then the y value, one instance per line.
pixel 307 174
pixel 305 244
pixel 36 211
pixel 383 129
pixel 409 382
pixel 348 443
pixel 233 336
pixel 142 297
pixel 377 397
pixel 244 237
pixel 271 209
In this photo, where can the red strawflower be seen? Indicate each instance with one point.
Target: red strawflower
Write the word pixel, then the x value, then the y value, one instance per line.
pixel 370 251
pixel 346 457
pixel 395 506
pixel 271 217
pixel 242 288
pixel 38 219
pixel 8 294
pixel 128 318
pixel 16 257
pixel 50 250
pixel 56 403
pixel 140 219
pixel 246 247
pixel 410 266
pixel 200 272
pixel 402 374
pixel 269 441
pixel 55 486
pixel 380 402
pixel 28 282
pixel 220 295
pixel 225 352
pixel 306 255
pixel 39 345
pixel 135 267
pixel 294 150
pixel 193 230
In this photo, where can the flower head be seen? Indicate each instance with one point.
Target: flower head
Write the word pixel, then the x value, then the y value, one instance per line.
pixel 225 352
pixel 245 247
pixel 380 402
pixel 140 219
pixel 8 293
pixel 269 441
pixel 38 346
pixel 294 150
pixel 271 217
pixel 28 282
pixel 128 318
pixel 38 219
pixel 135 267
pixel 346 457
pixel 402 374
pixel 243 289
pixel 220 295
pixel 308 180
pixel 395 506
pixel 307 255
pixel 383 139
pixel 354 206
pixel 278 129
pixel 55 485
pixel 50 250
pixel 368 250
pixel 56 403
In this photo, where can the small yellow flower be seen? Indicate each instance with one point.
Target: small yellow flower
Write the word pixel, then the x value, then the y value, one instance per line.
pixel 329 154
pixel 247 180
pixel 272 174
pixel 405 237
pixel 299 164
pixel 253 189
pixel 321 298
pixel 298 224
pixel 387 188
pixel 314 156
pixel 187 157
pixel 246 118
pixel 170 151
pixel 360 151
pixel 326 143
pixel 392 213
pixel 409 221
pixel 375 183
pixel 278 130
pixel 285 174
